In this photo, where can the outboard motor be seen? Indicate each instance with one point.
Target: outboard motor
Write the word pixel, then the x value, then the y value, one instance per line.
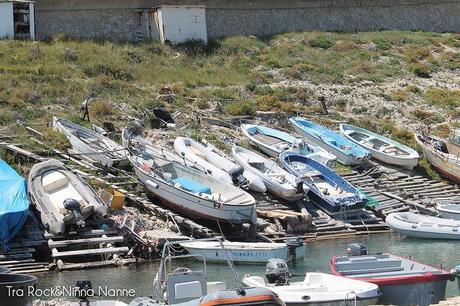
pixel 237 177
pixel 356 249
pixel 277 271
pixel 292 245
pixel 441 145
pixel 74 207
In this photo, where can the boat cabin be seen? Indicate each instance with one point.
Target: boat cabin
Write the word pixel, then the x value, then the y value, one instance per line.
pixel 454 139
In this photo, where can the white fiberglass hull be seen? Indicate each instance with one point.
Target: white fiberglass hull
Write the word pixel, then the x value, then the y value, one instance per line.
pixel 194 206
pixel 241 252
pixel 419 226
pixel 408 161
pixel 321 289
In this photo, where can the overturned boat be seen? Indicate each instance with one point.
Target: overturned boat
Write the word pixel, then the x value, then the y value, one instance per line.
pixel 190 191
pixel 14 205
pixel 444 155
pixel 91 144
pixel 402 281
pixel 420 226
pixel 244 252
pixel 327 189
pixel 62 198
pixel 347 152
pixel 207 159
pixel 315 289
pixel 381 148
pixel 272 142
pixel 277 180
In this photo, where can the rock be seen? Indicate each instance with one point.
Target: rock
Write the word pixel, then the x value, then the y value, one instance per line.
pixel 371 47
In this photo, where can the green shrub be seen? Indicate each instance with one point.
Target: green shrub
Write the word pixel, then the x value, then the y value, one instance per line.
pixel 382 44
pixel 241 108
pixel 443 97
pixel 420 69
pixel 322 42
pixel 202 104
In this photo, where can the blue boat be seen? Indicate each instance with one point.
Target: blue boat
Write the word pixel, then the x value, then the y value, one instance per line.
pixel 328 190
pixel 14 205
pixel 347 152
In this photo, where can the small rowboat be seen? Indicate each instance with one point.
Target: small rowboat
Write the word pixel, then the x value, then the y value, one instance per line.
pixel 381 148
pixel 272 142
pixel 347 152
pixel 420 226
pixel 402 281
pixel 62 198
pixel 91 144
pixel 14 205
pixel 444 155
pixel 448 210
pixel 327 189
pixel 277 180
pixel 190 191
pixel 207 159
pixel 240 252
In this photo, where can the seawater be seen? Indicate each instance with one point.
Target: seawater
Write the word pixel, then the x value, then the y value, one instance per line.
pixel 140 277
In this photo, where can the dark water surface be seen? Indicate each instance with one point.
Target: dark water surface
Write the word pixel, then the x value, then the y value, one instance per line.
pixel 140 277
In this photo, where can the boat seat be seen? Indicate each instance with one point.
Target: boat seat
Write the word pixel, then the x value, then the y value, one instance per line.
pixel 313 280
pixel 373 270
pixel 52 180
pixel 348 266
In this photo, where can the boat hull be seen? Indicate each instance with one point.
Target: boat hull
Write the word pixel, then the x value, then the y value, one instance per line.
pixel 244 256
pixel 447 169
pixel 418 228
pixel 193 206
pixel 448 215
pixel 422 294
pixel 359 302
pixel 408 162
pixel 341 157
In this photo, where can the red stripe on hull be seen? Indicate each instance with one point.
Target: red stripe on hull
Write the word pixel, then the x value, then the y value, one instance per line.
pixel 451 177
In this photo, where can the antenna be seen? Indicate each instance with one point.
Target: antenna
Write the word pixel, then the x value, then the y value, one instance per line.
pixel 239 285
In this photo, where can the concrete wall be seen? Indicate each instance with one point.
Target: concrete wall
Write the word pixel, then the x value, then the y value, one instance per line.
pixel 117 19
pixel 6 20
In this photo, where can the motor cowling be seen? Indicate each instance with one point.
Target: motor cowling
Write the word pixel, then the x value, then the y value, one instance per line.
pixel 277 271
pixel 292 245
pixel 356 249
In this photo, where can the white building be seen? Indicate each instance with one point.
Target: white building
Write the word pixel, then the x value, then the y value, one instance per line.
pixel 17 19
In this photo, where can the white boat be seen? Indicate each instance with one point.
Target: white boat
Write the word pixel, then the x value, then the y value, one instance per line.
pixel 347 152
pixel 190 191
pixel 448 210
pixel 277 180
pixel 129 139
pixel 420 226
pixel 91 144
pixel 241 252
pixel 61 197
pixel 319 289
pixel 444 155
pixel 381 148
pixel 272 142
pixel 214 164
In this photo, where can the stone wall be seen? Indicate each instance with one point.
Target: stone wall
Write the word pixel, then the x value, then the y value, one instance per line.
pixel 335 15
pixel 120 19
pixel 99 24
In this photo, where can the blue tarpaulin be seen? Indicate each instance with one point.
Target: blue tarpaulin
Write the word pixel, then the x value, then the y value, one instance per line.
pixel 14 205
pixel 192 186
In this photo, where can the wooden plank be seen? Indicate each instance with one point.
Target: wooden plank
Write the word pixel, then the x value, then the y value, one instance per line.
pixel 31 271
pixel 97 240
pixel 89 252
pixel 95 264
